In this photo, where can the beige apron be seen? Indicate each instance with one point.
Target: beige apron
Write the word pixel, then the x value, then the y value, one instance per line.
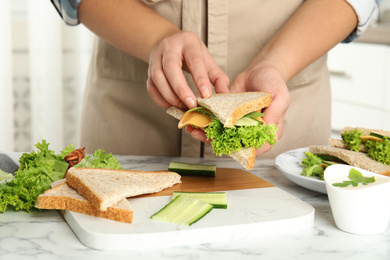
pixel 120 117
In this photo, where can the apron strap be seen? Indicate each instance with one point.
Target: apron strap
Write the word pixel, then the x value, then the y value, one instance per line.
pixel 208 19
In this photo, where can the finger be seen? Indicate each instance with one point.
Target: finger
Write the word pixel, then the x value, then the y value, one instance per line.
pixel 195 63
pixel 198 134
pixel 266 147
pixel 158 82
pixel 238 84
pixel 217 77
pixel 172 66
pixel 156 96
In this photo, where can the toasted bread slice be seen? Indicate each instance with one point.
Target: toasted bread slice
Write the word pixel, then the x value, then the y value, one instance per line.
pixel 176 112
pixel 64 197
pixel 229 107
pixel 104 188
pixel 246 157
pixel 337 143
pixel 353 158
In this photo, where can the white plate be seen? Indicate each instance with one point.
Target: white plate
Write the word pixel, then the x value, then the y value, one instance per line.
pixel 290 165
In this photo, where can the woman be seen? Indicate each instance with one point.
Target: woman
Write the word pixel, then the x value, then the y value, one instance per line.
pixel 273 46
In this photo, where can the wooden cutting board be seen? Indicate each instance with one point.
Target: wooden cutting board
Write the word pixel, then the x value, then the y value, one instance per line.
pixel 224 180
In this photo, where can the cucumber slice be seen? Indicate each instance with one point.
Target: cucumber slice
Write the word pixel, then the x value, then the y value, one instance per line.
pixel 378 135
pixel 247 121
pixel 183 210
pixel 187 169
pixel 217 199
pixel 330 158
pixel 255 114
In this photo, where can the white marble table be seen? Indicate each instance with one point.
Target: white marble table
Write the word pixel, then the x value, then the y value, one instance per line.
pixel 45 234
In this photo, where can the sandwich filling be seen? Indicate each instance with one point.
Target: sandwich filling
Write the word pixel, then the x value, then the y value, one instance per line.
pixel 248 131
pixel 376 146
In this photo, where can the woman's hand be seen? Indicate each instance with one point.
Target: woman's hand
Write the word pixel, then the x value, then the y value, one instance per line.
pixel 166 83
pixel 266 79
pixel 259 78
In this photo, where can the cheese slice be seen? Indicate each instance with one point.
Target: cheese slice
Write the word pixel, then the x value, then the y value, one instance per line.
pixel 194 118
pixel 370 137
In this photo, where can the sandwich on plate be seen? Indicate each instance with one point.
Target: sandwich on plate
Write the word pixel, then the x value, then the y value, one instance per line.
pixel 368 149
pixel 233 122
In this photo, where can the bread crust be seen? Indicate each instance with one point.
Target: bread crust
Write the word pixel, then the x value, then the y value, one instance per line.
pixel 64 197
pixel 246 157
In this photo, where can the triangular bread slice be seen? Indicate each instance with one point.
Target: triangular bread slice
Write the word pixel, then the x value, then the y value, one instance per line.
pixel 229 107
pixel 353 158
pixel 64 197
pixel 246 157
pixel 106 187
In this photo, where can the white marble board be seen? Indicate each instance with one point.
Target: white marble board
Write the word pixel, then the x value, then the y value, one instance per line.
pixel 251 213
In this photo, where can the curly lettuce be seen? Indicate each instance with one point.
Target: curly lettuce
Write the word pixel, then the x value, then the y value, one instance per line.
pixel 225 140
pixel 379 151
pixel 38 170
pixel 352 139
pixel 313 166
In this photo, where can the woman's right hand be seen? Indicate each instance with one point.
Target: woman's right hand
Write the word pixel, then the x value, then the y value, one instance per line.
pixel 166 83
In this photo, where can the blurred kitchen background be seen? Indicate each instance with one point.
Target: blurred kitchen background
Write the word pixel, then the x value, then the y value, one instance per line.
pixel 43 65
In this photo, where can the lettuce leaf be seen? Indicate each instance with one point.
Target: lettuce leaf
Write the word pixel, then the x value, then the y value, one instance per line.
pixel 224 140
pixel 99 159
pixel 5 176
pixel 352 139
pixel 38 170
pixel 379 151
pixel 312 166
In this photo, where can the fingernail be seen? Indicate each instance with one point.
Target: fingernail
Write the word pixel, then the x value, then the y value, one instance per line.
pixel 205 92
pixel 190 102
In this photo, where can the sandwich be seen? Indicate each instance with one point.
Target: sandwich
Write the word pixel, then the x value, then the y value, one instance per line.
pixel 104 192
pixel 106 187
pixel 232 122
pixel 365 148
pixel 64 197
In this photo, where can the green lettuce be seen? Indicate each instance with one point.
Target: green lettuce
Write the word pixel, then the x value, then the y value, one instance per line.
pixel 99 159
pixel 5 176
pixel 376 150
pixel 38 169
pixel 224 140
pixel 315 164
pixel 379 151
pixel 352 139
pixel 312 166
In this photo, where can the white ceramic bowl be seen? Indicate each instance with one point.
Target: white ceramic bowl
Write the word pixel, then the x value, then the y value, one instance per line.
pixel 362 211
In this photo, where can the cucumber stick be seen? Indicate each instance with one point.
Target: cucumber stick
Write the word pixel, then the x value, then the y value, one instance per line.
pixel 183 210
pixel 217 199
pixel 187 169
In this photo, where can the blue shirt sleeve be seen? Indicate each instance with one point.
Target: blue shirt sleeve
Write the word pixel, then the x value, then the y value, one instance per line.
pixel 366 12
pixel 67 9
